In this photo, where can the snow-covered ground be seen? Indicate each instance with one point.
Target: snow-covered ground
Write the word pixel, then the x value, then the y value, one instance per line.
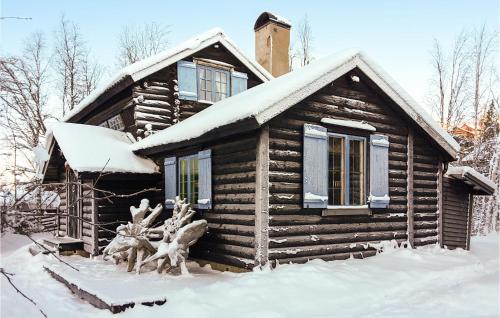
pixel 428 282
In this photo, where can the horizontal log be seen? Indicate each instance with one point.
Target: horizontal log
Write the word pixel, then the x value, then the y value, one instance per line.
pixel 238 240
pixel 228 249
pixel 233 178
pixel 245 230
pixel 153 110
pixel 305 240
pixel 329 257
pixel 240 219
pixel 234 188
pixel 234 208
pixel 309 229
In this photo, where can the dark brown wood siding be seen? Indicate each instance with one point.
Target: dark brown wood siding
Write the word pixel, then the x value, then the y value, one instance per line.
pixel 426 161
pixel 298 234
pixel 111 211
pixel 154 100
pixel 231 221
pixel 455 213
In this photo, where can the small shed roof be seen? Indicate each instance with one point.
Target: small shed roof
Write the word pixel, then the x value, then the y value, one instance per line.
pixel 263 102
pixel 480 183
pixel 152 64
pixel 98 149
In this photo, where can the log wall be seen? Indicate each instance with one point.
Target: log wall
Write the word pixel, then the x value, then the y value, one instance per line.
pixel 455 214
pixel 297 234
pixel 111 211
pixel 231 221
pixel 87 216
pixel 154 100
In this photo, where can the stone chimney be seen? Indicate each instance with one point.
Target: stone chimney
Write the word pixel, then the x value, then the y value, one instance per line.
pixel 272 41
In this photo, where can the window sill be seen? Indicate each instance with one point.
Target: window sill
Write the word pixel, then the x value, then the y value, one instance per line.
pixel 346 210
pixel 205 102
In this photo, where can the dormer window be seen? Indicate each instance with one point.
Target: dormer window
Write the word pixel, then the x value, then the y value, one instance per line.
pixel 213 84
pixel 115 122
pixel 208 80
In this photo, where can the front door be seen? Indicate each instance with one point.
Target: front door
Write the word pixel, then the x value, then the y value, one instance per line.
pixel 73 204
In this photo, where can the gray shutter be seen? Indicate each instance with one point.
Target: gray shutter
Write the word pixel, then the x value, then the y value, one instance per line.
pixel 187 80
pixel 379 171
pixel 205 179
pixel 238 82
pixel 170 182
pixel 315 173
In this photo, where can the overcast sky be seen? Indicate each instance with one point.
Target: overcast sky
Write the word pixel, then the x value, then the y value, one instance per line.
pixel 396 34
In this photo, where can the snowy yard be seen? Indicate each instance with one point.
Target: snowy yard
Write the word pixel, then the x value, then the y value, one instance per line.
pixel 427 282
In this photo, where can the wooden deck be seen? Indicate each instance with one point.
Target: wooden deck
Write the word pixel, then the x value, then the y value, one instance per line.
pixel 95 300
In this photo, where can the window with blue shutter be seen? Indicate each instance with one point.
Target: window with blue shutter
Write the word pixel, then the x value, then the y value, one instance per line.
pixel 170 182
pixel 238 82
pixel 187 80
pixel 315 170
pixel 205 179
pixel 379 172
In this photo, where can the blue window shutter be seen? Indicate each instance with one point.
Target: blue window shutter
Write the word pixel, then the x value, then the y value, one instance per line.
pixel 315 173
pixel 238 82
pixel 187 80
pixel 170 182
pixel 205 179
pixel 379 172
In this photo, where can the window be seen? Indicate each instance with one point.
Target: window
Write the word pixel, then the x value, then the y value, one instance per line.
pixel 346 170
pixel 115 122
pixel 213 84
pixel 188 178
pixel 209 80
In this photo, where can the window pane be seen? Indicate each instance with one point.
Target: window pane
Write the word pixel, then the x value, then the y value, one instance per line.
pixel 116 123
pixel 356 172
pixel 205 83
pixel 183 178
pixel 221 85
pixel 336 175
pixel 194 180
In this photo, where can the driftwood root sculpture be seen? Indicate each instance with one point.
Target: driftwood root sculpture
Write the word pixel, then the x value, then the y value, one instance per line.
pixel 165 246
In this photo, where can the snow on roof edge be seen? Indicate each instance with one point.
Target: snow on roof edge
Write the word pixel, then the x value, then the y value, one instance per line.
pixel 154 63
pixel 271 98
pixel 463 171
pixel 407 99
pixel 109 149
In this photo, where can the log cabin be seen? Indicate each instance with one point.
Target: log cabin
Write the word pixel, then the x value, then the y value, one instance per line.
pixel 320 162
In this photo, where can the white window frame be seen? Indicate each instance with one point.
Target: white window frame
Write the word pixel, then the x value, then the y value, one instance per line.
pixel 212 70
pixel 115 122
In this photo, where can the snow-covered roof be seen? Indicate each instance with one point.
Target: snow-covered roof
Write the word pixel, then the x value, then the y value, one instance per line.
pixel 472 177
pixel 265 101
pixel 98 149
pixel 152 64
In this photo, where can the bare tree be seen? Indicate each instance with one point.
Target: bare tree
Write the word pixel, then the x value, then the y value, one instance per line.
pixel 451 75
pixel 137 43
pixel 76 73
pixel 23 95
pixel 305 41
pixel 483 50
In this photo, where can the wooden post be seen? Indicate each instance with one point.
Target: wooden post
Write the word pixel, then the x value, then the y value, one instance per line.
pixel 469 221
pixel 409 194
pixel 262 198
pixel 440 202
pixel 95 220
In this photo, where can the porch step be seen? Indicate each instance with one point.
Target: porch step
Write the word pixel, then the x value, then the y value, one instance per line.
pixel 64 244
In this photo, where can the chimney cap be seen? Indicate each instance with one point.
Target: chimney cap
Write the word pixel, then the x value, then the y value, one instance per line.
pixel 267 17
